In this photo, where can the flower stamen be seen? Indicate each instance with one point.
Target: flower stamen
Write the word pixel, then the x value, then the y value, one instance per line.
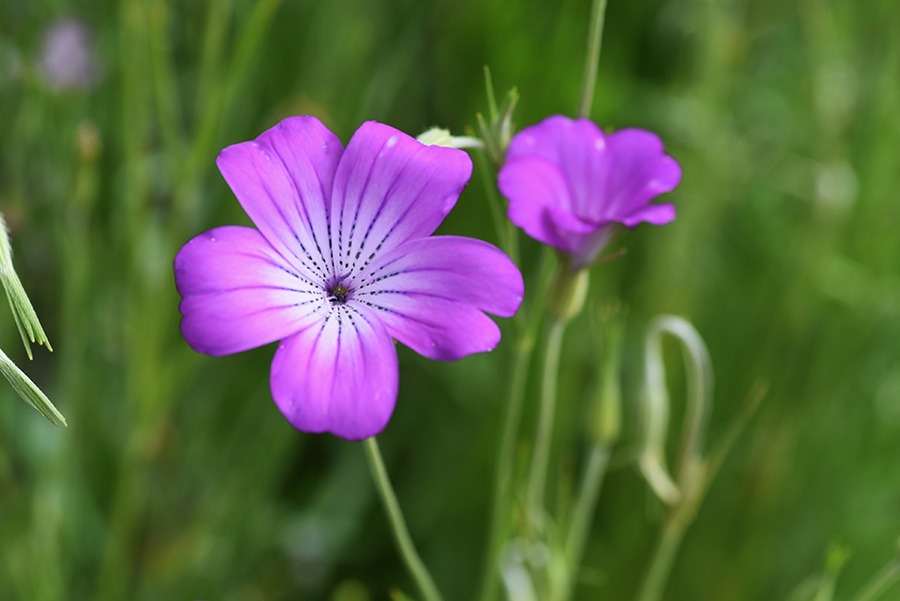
pixel 338 294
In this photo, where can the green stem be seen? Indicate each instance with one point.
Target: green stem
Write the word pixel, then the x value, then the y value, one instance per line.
pixel 252 32
pixel 526 325
pixel 595 37
pixel 693 482
pixel 398 525
pixel 661 564
pixel 165 86
pixel 582 515
pixel 495 204
pixel 541 457
pixel 881 582
pixel 504 473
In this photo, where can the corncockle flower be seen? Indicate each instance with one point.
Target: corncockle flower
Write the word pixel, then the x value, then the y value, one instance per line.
pixel 67 58
pixel 569 184
pixel 342 262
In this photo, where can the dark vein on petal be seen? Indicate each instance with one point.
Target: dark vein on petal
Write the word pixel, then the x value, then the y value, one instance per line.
pixel 398 313
pixel 277 308
pixel 399 177
pixel 359 201
pixel 359 337
pixel 410 293
pixel 371 280
pixel 272 196
pixel 409 207
pixel 303 211
pixel 312 351
pixel 337 354
pixel 256 287
pixel 278 265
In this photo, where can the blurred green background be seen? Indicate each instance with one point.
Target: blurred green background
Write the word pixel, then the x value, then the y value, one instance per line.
pixel 177 478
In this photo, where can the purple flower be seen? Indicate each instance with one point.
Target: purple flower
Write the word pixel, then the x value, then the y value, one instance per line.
pixel 67 58
pixel 342 262
pixel 568 183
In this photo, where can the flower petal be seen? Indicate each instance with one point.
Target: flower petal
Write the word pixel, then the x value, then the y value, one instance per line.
pixel 658 214
pixel 338 376
pixel 539 202
pixel 577 148
pixel 435 327
pixel 640 171
pixel 431 294
pixel 390 188
pixel 239 293
pixel 604 178
pixel 283 181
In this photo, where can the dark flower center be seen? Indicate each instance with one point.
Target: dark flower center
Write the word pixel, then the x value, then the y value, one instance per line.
pixel 338 294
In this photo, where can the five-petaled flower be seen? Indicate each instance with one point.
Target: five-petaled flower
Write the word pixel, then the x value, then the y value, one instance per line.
pixel 569 184
pixel 342 263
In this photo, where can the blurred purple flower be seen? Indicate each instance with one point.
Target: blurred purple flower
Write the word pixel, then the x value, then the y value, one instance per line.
pixel 342 263
pixel 67 59
pixel 568 183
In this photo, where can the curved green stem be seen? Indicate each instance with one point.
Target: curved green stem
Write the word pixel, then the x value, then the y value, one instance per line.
pixel 598 13
pixel 398 525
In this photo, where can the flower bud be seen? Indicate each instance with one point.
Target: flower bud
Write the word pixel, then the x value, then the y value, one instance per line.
pixel 88 142
pixel 567 292
pixel 437 136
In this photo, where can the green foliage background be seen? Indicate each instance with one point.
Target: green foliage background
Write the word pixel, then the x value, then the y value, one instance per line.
pixel 178 479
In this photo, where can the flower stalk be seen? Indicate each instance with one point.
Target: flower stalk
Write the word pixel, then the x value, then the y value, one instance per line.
pixel 525 332
pixel 566 298
pixel 407 549
pixel 540 458
pixel 603 432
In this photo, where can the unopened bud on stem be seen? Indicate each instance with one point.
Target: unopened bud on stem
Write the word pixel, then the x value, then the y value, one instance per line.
pixel 567 292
